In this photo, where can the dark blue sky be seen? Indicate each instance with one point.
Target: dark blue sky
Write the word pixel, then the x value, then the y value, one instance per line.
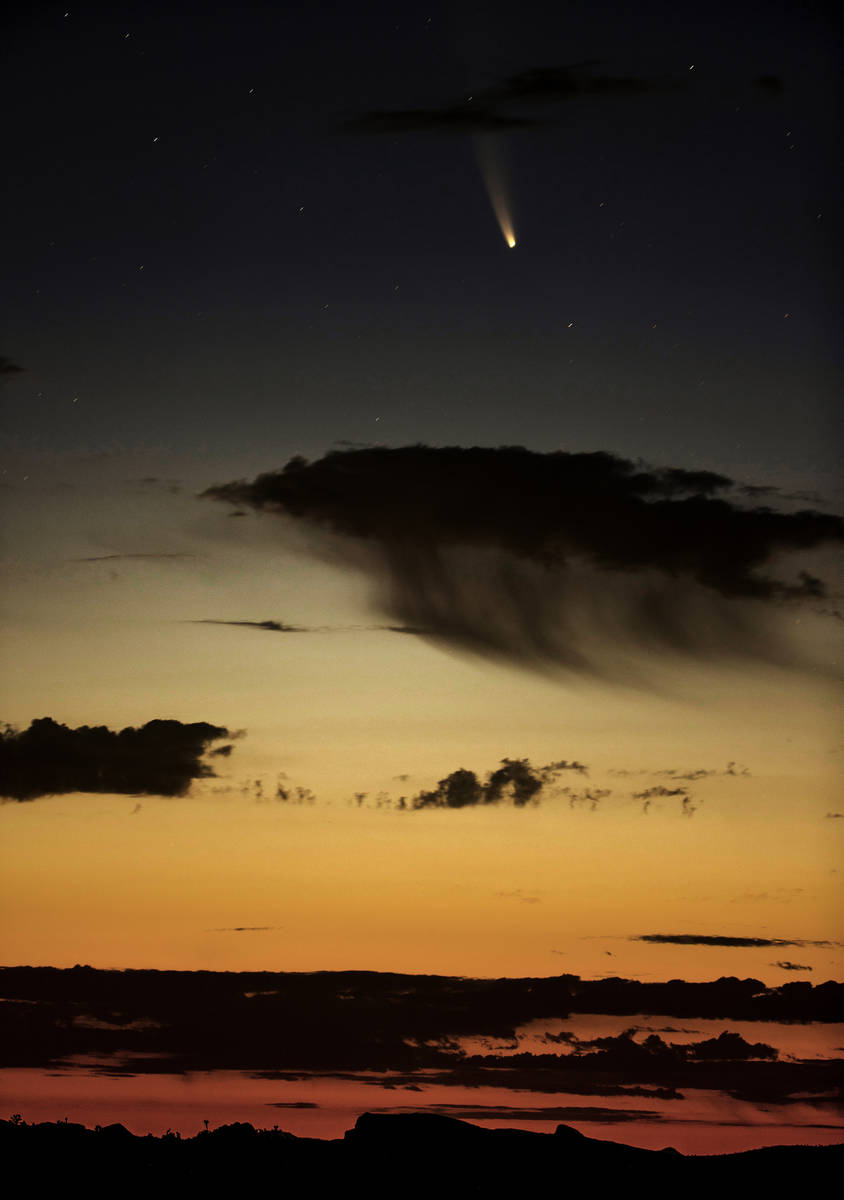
pixel 207 260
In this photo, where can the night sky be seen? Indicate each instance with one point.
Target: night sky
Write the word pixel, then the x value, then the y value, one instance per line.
pixel 238 234
pixel 213 252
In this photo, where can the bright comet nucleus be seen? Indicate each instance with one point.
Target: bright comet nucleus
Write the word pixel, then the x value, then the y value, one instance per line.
pixel 491 153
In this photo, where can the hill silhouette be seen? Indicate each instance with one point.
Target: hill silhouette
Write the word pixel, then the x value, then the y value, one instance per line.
pixel 383 1155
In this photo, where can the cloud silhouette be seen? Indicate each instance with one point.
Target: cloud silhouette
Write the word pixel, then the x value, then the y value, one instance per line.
pixel 245 929
pixel 507 1112
pixel 531 99
pixel 514 781
pixel 161 758
pixel 284 1025
pixel 8 369
pixel 267 626
pixel 544 85
pixel 650 792
pixel 559 560
pixel 283 627
pixel 698 939
pixel 490 109
pixel 726 1047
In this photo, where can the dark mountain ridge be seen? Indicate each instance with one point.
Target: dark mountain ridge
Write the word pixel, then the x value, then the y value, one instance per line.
pixel 381 1155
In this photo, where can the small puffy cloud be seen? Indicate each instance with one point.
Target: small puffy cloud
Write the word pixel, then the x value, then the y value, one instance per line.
pixel 514 781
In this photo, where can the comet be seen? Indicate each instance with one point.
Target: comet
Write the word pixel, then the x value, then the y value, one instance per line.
pixel 492 160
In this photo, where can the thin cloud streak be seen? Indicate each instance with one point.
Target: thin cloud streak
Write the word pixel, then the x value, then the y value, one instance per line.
pixel 283 627
pixel 698 939
pixel 141 557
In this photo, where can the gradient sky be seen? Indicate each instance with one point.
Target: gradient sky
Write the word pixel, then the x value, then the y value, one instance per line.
pixel 218 258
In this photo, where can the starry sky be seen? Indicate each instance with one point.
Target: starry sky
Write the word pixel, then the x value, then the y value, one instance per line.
pixel 242 234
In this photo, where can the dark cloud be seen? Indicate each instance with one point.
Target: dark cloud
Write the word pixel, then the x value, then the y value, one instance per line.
pixel 246 929
pixel 514 781
pixel 281 1024
pixel 685 774
pixel 531 99
pixel 292 1104
pixel 549 85
pixel 757 491
pixel 785 965
pixel 590 796
pixel 551 560
pixel 115 557
pixel 161 758
pixel 689 776
pixel 283 627
pixel 506 1112
pixel 697 939
pixel 834 816
pixel 490 109
pixel 269 626
pixel 727 1047
pixel 687 807
pixel 8 369
pixel 650 792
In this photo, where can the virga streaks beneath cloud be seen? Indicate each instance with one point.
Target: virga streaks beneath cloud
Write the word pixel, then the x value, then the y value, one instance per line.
pixel 558 560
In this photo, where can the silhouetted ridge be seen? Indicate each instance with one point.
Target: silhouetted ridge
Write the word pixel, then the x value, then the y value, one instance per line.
pixel 382 1156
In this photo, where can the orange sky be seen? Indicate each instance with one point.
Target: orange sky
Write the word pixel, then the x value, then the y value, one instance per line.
pixel 488 892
